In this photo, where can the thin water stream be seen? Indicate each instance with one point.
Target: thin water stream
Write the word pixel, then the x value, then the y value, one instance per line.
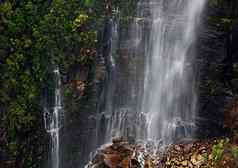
pixel 53 118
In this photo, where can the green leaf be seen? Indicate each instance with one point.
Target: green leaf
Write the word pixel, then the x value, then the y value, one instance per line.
pixel 89 3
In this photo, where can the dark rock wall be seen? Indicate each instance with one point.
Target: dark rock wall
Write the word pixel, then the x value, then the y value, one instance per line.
pixel 217 62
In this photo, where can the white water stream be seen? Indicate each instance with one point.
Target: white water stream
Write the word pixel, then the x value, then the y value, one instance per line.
pixel 53 122
pixel 169 90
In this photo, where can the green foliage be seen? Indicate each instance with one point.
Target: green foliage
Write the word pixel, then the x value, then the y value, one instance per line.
pixel 205 156
pixel 218 149
pixel 35 35
pixel 234 151
pixel 89 3
pixel 225 19
pixel 80 19
pixel 211 87
pixel 221 22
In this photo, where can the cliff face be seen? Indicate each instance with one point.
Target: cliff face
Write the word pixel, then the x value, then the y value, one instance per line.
pixel 78 134
pixel 217 65
pixel 217 62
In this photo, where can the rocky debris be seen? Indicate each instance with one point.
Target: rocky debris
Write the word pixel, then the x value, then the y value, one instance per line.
pixel 186 155
pixel 194 154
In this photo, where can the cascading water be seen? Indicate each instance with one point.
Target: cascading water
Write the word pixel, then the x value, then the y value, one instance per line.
pixel 150 91
pixel 169 90
pixel 53 121
pixel 103 120
pixel 119 116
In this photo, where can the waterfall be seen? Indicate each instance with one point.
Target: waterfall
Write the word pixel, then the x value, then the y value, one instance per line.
pixel 53 118
pixel 150 88
pixel 169 88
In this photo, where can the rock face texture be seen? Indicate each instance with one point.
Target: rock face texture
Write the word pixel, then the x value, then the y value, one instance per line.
pixel 78 134
pixel 217 63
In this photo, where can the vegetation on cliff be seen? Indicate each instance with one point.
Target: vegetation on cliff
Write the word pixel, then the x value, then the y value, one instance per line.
pixel 34 36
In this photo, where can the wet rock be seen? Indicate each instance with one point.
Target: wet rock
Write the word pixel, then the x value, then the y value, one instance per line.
pixel 98 158
pixel 190 165
pixel 118 140
pixel 135 164
pixel 126 163
pixel 177 148
pixel 112 160
pixel 185 163
pixel 188 148
pixel 100 165
pixel 197 160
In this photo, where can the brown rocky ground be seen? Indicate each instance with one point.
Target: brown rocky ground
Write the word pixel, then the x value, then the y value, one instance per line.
pixel 220 153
